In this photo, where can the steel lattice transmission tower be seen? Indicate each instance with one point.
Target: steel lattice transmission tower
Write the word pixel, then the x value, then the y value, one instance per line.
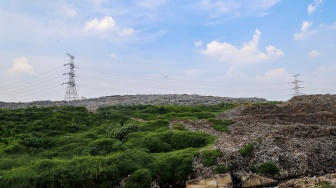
pixel 71 93
pixel 296 85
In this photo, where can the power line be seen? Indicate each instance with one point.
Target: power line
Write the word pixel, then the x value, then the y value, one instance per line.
pixel 170 80
pixel 28 79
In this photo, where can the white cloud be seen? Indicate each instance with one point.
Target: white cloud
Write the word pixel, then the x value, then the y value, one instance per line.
pixel 314 54
pixel 21 65
pixel 69 10
pixel 312 7
pixel 198 43
pixel 305 31
pixel 248 53
pixel 278 74
pixel 106 23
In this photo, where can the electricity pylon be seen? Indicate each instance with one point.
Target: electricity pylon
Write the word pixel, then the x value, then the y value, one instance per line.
pixel 71 93
pixel 296 85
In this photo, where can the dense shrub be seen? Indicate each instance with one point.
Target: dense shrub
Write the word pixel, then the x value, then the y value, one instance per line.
pixel 173 168
pixel 32 141
pixel 14 148
pixel 221 169
pixel 139 179
pixel 268 168
pixel 245 151
pixel 174 140
pixel 104 146
pixel 209 157
pixel 120 131
pixel 71 147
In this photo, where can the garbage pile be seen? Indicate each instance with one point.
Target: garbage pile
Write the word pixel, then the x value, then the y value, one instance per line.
pixel 299 136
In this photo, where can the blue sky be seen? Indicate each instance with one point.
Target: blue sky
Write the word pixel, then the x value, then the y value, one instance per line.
pixel 229 48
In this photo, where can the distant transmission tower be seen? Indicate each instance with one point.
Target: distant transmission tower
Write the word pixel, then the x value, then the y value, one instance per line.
pixel 71 93
pixel 296 85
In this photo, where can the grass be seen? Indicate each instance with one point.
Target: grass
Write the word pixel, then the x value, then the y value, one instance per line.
pixel 72 147
pixel 209 157
pixel 220 125
pixel 246 150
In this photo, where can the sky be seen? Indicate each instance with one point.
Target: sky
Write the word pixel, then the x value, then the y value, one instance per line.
pixel 227 48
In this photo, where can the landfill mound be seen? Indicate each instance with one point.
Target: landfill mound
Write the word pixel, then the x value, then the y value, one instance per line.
pixel 309 109
pixel 299 136
pixel 322 181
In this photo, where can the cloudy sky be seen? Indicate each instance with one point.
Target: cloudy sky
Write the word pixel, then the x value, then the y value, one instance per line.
pixel 229 48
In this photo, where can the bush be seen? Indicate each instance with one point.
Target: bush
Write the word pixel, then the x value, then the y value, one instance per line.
pixel 268 168
pixel 14 148
pixel 220 125
pixel 104 146
pixel 139 179
pixel 120 131
pixel 174 168
pixel 32 141
pixel 174 140
pixel 221 169
pixel 209 157
pixel 245 151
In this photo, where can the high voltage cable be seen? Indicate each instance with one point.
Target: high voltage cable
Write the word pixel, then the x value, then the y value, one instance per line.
pixel 135 75
pixel 163 79
pixel 183 88
pixel 137 83
pixel 28 79
pixel 29 86
pixel 115 81
pixel 4 94
pixel 46 94
pixel 32 93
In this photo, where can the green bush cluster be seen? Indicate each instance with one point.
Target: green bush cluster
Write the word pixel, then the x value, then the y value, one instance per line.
pixel 174 140
pixel 221 169
pixel 246 150
pixel 267 168
pixel 71 147
pixel 139 179
pixel 120 131
pixel 209 157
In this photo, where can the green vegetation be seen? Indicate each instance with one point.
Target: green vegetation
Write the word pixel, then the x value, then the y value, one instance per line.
pixel 325 184
pixel 267 168
pixel 71 147
pixel 247 150
pixel 220 125
pixel 209 157
pixel 221 169
pixel 139 179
